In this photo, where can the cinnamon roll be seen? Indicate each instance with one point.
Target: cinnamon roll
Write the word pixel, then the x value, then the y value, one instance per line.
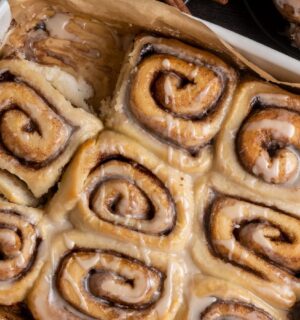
pixel 94 277
pixel 259 245
pixel 172 98
pixel 210 298
pixel 290 9
pixel 87 71
pixel 40 130
pixel 258 147
pixel 20 243
pixel 126 192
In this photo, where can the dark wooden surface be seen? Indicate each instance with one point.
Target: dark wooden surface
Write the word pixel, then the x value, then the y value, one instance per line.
pixel 233 16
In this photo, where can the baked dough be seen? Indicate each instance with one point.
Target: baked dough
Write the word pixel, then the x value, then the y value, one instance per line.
pixel 95 277
pixel 172 98
pixel 40 130
pixel 122 190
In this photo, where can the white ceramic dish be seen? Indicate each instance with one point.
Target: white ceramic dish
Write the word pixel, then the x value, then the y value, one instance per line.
pixel 278 64
pixel 5 18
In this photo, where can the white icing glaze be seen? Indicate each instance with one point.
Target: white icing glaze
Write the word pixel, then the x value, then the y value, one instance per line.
pixel 281 128
pixel 194 73
pixel 166 300
pixel 169 94
pixel 163 216
pixel 263 166
pixel 295 179
pixel 87 264
pixel 284 293
pixel 234 212
pixel 229 244
pixel 57 25
pixel 271 99
pixel 166 64
pixel 206 90
pixel 127 293
pixel 198 305
pixel 7 237
pixel 68 242
pixel 259 237
pixel 76 289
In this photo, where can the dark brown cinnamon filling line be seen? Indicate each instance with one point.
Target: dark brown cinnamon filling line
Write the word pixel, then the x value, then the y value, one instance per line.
pixel 102 299
pixel 39 240
pixel 18 311
pixel 152 49
pixel 233 310
pixel 7 76
pixel 236 231
pixel 151 214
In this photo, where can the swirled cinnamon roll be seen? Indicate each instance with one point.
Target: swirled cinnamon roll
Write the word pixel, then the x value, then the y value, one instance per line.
pixel 94 277
pixel 259 245
pixel 290 9
pixel 87 71
pixel 172 98
pixel 126 192
pixel 258 147
pixel 39 129
pixel 210 298
pixel 20 256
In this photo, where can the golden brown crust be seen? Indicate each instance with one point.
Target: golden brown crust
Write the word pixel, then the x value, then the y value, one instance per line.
pixel 172 98
pixel 98 277
pixel 21 239
pixel 258 145
pixel 127 193
pixel 211 298
pixel 40 130
pixel 258 244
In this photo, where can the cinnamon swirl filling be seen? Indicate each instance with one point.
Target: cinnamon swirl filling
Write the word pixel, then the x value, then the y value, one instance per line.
pixel 39 129
pixel 31 130
pixel 125 193
pixel 268 144
pixel 19 241
pixel 96 282
pixel 259 240
pixel 180 97
pixel 233 310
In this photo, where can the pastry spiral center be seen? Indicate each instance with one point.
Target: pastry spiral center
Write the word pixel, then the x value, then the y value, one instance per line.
pixel 122 198
pixel 268 145
pixel 18 244
pixel 103 279
pixel 173 98
pixel 30 130
pixel 123 192
pixel 187 95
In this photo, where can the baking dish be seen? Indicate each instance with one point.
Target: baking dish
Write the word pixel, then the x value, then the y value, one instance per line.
pixel 5 18
pixel 139 155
